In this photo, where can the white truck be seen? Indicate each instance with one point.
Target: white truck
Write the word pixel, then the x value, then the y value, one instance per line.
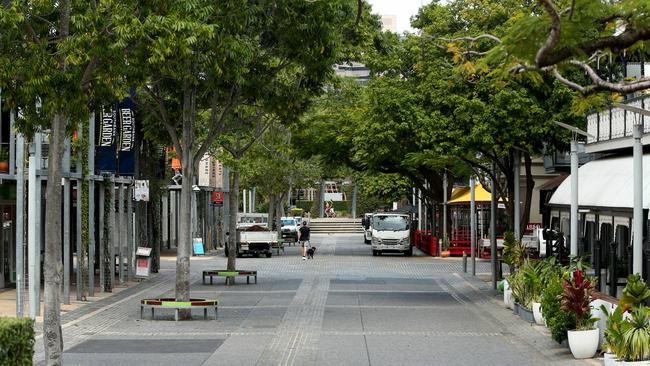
pixel 391 233
pixel 290 229
pixel 256 240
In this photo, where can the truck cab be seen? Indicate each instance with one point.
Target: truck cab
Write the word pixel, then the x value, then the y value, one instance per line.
pixel 290 229
pixel 391 233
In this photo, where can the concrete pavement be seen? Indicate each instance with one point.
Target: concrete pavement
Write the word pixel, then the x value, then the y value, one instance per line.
pixel 345 307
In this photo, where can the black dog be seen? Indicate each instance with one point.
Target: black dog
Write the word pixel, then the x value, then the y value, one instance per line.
pixel 310 252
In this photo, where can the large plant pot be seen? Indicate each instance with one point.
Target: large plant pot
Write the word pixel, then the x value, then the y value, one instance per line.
pixel 507 299
pixel 583 343
pixel 537 313
pixel 609 359
pixel 515 308
pixel 526 315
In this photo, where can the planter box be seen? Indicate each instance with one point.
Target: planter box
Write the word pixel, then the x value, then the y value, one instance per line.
pixel 516 308
pixel 526 314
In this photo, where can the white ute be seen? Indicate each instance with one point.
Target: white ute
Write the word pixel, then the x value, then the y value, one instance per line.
pixel 391 233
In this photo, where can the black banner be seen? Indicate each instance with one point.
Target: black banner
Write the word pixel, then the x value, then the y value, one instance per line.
pixel 106 149
pixel 126 146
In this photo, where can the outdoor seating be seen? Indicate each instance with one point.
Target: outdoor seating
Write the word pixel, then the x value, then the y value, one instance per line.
pixel 225 273
pixel 172 303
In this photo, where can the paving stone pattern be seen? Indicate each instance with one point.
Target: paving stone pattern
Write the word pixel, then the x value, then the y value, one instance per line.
pixel 345 307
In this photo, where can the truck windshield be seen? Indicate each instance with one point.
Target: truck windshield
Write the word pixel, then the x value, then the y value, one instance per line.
pixel 390 223
pixel 288 222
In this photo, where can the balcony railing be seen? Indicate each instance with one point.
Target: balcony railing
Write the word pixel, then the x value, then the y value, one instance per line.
pixel 615 123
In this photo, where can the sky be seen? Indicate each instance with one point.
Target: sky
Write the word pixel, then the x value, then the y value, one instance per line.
pixel 403 9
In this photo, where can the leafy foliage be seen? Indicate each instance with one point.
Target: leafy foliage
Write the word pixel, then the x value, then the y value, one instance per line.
pixel 635 332
pixel 575 299
pixel 557 320
pixel 635 292
pixel 16 341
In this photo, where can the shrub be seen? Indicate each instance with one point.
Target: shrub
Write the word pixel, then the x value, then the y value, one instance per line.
pixel 558 321
pixel 16 341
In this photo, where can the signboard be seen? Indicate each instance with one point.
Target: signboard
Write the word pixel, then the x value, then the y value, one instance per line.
pixel 141 190
pixel 217 198
pixel 197 246
pixel 142 262
pixel 106 148
pixel 126 143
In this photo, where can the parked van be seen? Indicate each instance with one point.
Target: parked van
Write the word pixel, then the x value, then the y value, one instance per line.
pixel 391 233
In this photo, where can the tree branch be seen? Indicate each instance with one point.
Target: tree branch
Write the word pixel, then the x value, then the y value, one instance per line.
pixel 472 39
pixel 554 35
pixel 171 130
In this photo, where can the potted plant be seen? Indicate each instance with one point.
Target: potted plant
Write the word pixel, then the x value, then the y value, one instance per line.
pixel 530 288
pixel 4 160
pixel 612 334
pixel 575 299
pixel 627 333
pixel 558 321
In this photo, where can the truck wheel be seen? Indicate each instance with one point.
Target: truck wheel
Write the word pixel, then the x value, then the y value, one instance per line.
pixel 374 253
pixel 366 241
pixel 409 252
pixel 268 255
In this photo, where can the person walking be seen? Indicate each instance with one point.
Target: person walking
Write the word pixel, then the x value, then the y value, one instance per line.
pixel 304 239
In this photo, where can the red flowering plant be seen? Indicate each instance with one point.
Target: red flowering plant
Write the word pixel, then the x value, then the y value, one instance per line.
pixel 575 299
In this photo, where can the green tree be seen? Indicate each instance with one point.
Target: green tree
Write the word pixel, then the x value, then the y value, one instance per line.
pixel 59 60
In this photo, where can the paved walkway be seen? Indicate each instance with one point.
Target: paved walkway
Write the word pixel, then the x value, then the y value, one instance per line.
pixel 345 307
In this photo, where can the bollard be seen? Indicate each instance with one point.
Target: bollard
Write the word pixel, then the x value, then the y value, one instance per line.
pixel 464 262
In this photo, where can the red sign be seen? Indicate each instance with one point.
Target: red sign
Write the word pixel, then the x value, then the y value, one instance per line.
pixel 217 197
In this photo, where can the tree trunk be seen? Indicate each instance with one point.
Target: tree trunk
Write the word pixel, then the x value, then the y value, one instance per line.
pixel 530 184
pixel 52 336
pixel 234 209
pixel 156 232
pixel 271 210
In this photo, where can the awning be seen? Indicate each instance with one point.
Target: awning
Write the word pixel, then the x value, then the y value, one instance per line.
pixel 552 183
pixel 605 183
pixel 462 195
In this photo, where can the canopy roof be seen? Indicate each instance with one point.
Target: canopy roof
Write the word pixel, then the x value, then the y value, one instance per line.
pixel 605 183
pixel 460 195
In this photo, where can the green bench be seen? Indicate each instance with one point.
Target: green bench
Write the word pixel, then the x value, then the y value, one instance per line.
pixel 224 273
pixel 177 305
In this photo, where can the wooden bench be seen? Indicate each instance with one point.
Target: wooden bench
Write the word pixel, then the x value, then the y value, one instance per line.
pixel 172 303
pixel 224 273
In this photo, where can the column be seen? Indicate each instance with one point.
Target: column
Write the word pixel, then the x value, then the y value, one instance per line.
pixel 493 228
pixel 574 197
pixel 91 204
pixel 20 222
pixel 129 231
pixel 637 236
pixel 472 213
pixel 121 232
pixel 67 254
pixel 517 203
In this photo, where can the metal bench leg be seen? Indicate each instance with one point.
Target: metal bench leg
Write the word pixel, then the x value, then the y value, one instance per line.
pixel 203 279
pixel 152 313
pixel 216 312
pixel 205 313
pixel 248 280
pixel 176 314
pixel 256 279
pixel 141 309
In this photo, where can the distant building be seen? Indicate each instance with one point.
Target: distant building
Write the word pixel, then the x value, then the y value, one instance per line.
pixel 353 70
pixel 389 23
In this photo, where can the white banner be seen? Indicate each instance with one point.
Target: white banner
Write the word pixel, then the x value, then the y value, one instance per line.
pixel 141 190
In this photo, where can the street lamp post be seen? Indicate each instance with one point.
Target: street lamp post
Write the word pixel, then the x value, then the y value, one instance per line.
pixel 574 182
pixel 637 157
pixel 472 213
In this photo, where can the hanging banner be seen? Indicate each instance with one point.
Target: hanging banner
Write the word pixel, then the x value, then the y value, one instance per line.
pixel 141 190
pixel 126 144
pixel 105 148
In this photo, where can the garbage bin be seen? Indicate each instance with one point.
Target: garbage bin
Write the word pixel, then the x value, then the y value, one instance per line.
pixel 142 262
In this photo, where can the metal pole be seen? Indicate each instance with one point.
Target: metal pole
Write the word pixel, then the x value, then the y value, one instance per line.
pixel 354 201
pixel 113 240
pixel 129 231
pixel 517 197
pixel 90 141
pixel 444 206
pixel 20 222
pixel 637 238
pixel 121 231
pixel 102 284
pixel 574 197
pixel 32 246
pixel 79 278
pixel 67 255
pixel 322 199
pixel 244 198
pixel 253 199
pixel 472 209
pixel 493 228
pixel 420 221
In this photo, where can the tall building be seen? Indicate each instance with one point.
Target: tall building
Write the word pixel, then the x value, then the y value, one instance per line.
pixel 389 23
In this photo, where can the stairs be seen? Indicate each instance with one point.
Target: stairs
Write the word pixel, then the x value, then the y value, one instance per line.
pixel 336 225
